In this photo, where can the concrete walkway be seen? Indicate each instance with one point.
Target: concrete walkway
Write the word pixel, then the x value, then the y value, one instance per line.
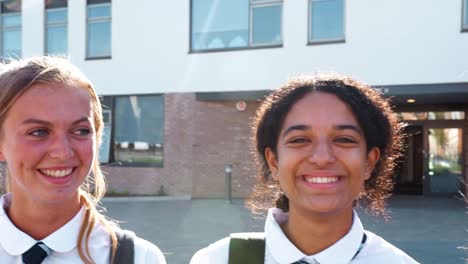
pixel 427 228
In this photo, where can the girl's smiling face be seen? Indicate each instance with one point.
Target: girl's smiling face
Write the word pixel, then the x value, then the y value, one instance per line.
pixel 321 161
pixel 48 141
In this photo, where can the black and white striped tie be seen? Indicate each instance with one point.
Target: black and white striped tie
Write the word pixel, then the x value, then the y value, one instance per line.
pixel 36 254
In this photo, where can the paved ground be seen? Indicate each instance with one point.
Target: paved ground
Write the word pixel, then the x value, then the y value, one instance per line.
pixel 429 229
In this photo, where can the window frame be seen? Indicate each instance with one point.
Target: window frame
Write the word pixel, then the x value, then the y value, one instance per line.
pixel 3 57
pixel 464 16
pixel 54 24
pixel 98 20
pixel 112 108
pixel 110 123
pixel 310 41
pixel 252 4
pixel 263 3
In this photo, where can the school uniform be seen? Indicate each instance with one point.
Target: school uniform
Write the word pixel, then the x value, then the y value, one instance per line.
pixel 63 242
pixel 279 250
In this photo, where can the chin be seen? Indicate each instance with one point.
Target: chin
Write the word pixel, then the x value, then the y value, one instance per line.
pixel 62 196
pixel 321 206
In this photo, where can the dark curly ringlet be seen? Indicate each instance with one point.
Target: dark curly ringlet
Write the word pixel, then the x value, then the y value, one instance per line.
pixel 373 113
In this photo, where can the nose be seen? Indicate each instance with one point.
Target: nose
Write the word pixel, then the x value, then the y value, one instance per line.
pixel 322 154
pixel 61 148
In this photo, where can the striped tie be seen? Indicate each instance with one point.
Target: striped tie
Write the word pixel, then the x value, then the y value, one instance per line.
pixel 36 254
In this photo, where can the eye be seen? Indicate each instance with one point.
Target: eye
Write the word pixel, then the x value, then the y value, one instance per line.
pixel 82 131
pixel 298 140
pixel 346 140
pixel 41 132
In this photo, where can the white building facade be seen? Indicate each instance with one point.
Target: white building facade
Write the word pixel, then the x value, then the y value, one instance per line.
pixel 181 79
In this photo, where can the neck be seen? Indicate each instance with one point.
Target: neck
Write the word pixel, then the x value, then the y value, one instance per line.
pixel 312 233
pixel 39 220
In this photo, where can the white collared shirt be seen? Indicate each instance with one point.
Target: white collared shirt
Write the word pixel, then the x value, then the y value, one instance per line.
pixel 63 242
pixel 279 250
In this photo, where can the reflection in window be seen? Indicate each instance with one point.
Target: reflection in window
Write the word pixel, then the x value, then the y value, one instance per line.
pixel 11 29
pixel 455 115
pixel 138 129
pixel 56 18
pixel 266 24
pixel 445 159
pixel 235 24
pixel 98 43
pixel 326 21
pixel 104 150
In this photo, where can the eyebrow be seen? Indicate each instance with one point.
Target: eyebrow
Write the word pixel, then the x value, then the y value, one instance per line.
pixel 351 127
pixel 305 127
pixel 47 123
pixel 295 127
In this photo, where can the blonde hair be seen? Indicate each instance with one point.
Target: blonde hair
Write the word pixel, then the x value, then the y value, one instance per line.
pixel 15 79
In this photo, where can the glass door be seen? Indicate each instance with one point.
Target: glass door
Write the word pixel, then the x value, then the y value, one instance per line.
pixel 444 160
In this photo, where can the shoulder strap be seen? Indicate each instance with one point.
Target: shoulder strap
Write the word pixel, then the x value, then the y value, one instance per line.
pixel 125 247
pixel 247 248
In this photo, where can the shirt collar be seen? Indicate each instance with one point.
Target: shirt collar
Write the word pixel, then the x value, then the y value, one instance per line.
pixel 16 242
pixel 283 251
pixel 278 245
pixel 65 238
pixel 346 247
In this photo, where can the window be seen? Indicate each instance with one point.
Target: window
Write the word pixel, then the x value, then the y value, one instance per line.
pixel 219 25
pixel 11 29
pixel 326 21
pixel 455 115
pixel 56 18
pixel 139 129
pixel 465 16
pixel 104 151
pixel 98 40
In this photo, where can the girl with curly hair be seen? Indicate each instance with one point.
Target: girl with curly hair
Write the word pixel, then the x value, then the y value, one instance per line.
pixel 324 144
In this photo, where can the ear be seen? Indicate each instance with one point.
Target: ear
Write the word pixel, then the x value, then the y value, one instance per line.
pixel 372 157
pixel 272 162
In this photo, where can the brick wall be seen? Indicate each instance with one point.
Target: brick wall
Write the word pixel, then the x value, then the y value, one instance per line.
pixel 176 174
pixel 221 137
pixel 200 137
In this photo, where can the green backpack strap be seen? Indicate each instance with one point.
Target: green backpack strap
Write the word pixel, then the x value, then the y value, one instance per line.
pixel 125 248
pixel 247 248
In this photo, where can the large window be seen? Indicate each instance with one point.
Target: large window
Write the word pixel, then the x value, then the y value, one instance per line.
pixel 228 24
pixel 56 18
pixel 326 21
pixel 138 129
pixel 445 160
pixel 10 29
pixel 98 40
pixel 465 16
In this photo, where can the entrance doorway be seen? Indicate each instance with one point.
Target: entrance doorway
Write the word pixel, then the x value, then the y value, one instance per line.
pixel 432 163
pixel 444 164
pixel 433 160
pixel 409 173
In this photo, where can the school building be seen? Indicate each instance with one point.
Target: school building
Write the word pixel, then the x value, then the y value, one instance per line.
pixel 181 79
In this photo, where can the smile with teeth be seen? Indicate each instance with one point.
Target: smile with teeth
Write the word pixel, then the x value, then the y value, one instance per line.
pixel 56 173
pixel 321 179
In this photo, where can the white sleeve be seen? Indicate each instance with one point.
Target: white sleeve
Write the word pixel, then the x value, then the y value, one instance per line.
pixel 147 252
pixel 216 253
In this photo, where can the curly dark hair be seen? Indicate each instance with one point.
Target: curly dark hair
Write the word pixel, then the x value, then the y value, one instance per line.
pixel 374 114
